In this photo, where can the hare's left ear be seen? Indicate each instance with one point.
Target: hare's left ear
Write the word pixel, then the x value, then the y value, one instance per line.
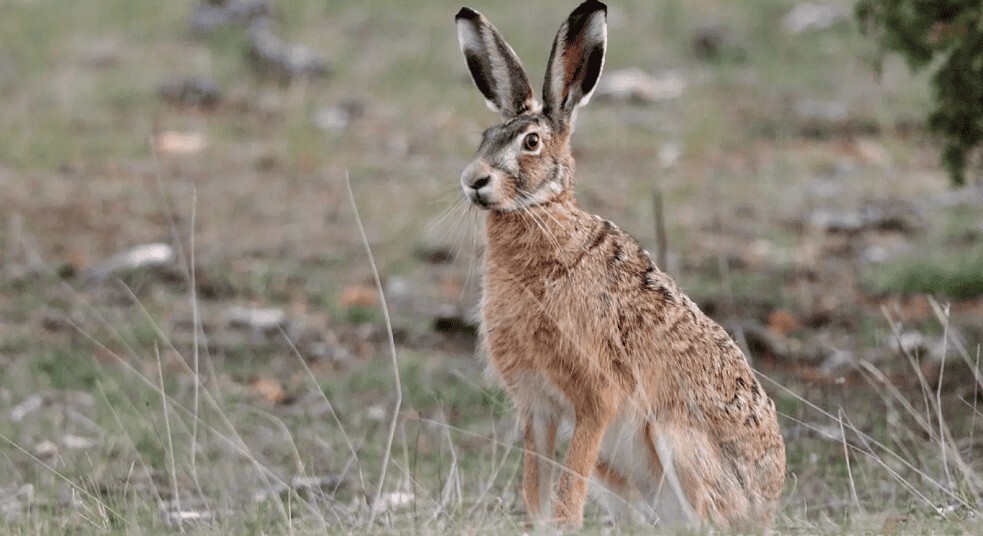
pixel 576 61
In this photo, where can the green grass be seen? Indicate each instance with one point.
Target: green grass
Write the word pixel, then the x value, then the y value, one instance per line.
pixel 957 275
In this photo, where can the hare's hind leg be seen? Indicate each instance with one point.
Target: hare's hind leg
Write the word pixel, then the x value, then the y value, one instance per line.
pixel 665 492
pixel 614 492
pixel 537 463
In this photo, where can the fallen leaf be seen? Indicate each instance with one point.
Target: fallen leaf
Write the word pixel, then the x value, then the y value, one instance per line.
pixel 269 389
pixel 783 322
pixel 260 319
pixel 360 296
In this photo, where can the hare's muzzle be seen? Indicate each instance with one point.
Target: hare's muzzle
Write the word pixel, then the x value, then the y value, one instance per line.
pixel 476 180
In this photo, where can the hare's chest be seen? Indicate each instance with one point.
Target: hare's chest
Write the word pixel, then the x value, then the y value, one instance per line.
pixel 518 320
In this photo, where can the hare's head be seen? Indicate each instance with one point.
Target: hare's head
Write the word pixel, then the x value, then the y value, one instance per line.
pixel 526 160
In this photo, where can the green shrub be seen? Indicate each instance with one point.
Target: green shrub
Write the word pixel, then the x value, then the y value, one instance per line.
pixel 947 36
pixel 957 276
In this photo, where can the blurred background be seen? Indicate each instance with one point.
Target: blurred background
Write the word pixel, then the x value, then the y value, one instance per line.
pixel 190 331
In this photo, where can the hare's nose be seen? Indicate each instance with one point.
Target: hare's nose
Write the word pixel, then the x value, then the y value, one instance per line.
pixel 481 182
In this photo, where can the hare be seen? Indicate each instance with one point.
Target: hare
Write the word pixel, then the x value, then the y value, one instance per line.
pixel 582 328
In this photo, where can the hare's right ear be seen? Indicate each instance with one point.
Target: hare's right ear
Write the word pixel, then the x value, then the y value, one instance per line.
pixel 495 68
pixel 576 61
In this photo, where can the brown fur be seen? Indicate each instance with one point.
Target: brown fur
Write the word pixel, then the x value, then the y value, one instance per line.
pixel 582 328
pixel 616 336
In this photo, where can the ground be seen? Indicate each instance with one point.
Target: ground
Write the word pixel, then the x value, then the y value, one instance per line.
pixel 803 204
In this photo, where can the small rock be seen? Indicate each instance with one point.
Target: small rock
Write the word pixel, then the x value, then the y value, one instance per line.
pixel 941 363
pixel 812 16
pixel 837 362
pixel 213 14
pixel 191 91
pixel 25 408
pixel 761 340
pixel 284 61
pixel 876 254
pixel 315 482
pixel 822 111
pixel 375 413
pixel 337 118
pixel 74 442
pixel 75 399
pixel 331 351
pixel 393 500
pixel 46 450
pixel 398 289
pixel 311 486
pixel 836 220
pixel 708 42
pixel 635 85
pixel 55 321
pixel 333 118
pixel 180 143
pixel 669 154
pixel 257 319
pixel 869 217
pixel 275 490
pixel 103 53
pixel 451 319
pixel 715 42
pixel 12 505
pixel 146 256
pixel 871 152
pixel 178 518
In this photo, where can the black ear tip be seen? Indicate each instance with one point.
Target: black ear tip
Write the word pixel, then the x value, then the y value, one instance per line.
pixel 467 13
pixel 590 6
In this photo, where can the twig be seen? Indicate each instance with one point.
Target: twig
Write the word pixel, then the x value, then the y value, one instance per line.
pixel 196 325
pixel 170 437
pixel 387 453
pixel 938 396
pixel 849 469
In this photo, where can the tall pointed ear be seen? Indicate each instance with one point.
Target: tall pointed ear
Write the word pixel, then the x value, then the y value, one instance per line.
pixel 576 61
pixel 494 66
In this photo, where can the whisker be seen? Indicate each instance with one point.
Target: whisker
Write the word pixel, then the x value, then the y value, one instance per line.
pixel 442 196
pixel 451 224
pixel 436 221
pixel 461 232
pixel 542 226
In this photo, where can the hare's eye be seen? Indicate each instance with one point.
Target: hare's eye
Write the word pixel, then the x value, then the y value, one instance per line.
pixel 531 142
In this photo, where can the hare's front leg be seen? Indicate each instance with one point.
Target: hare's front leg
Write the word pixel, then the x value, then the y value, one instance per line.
pixel 537 464
pixel 582 455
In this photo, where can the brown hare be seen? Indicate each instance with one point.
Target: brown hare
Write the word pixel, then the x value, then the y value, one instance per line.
pixel 583 329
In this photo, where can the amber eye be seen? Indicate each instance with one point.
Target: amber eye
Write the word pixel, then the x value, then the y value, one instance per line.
pixel 531 142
